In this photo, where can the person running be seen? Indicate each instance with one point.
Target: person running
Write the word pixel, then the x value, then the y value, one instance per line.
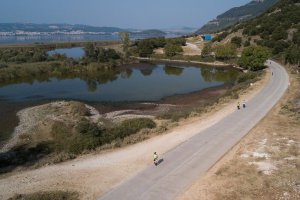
pixel 155 158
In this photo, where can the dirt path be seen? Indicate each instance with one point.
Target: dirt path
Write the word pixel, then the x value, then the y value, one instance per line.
pixel 93 175
pixel 191 49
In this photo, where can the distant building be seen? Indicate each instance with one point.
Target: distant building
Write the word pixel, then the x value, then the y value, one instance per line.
pixel 206 37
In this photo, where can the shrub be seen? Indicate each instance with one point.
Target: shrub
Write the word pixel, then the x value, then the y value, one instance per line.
pixel 237 41
pixel 2 65
pixel 220 37
pixel 243 77
pixel 225 52
pixel 173 49
pixel 131 126
pixel 254 57
pixel 88 128
pixel 51 195
pixel 174 116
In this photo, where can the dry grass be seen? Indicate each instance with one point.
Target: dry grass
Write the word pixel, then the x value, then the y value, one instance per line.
pixel 53 195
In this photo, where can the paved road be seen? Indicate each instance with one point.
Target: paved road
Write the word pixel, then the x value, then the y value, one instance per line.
pixel 185 163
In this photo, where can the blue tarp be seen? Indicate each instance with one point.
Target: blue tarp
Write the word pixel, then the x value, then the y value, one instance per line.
pixel 206 37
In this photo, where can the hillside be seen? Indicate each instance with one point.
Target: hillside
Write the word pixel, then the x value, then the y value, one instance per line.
pixel 277 29
pixel 237 14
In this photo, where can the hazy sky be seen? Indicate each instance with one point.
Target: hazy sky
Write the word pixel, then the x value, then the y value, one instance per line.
pixel 119 13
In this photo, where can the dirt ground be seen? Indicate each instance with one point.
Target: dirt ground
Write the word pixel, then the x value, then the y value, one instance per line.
pixel 264 165
pixel 92 175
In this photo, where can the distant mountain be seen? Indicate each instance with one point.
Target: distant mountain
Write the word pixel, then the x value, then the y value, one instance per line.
pixel 237 14
pixel 180 30
pixel 29 27
pixel 43 29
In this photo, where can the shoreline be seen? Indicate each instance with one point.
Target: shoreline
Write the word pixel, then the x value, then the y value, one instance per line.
pixel 137 107
pixel 216 63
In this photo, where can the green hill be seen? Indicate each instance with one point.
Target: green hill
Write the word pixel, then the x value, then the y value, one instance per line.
pixel 234 15
pixel 277 29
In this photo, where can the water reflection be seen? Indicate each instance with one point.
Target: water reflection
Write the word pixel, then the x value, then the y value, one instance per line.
pixel 211 74
pixel 131 83
pixel 171 70
pixel 75 52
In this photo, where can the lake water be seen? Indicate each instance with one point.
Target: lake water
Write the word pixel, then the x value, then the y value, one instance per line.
pixel 27 39
pixel 76 52
pixel 150 83
pixel 140 82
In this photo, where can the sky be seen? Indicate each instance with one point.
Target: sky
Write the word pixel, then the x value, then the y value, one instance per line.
pixel 142 14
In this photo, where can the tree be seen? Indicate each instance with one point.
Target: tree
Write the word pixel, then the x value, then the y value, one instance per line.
pixel 145 48
pixel 225 52
pixel 292 55
pixel 89 50
pixel 254 57
pixel 237 41
pixel 172 49
pixel 207 50
pixel 124 36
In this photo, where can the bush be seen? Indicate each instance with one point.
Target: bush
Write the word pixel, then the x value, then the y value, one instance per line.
pixel 225 52
pixel 243 77
pixel 51 195
pixel 254 57
pixel 131 126
pixel 145 48
pixel 220 37
pixel 237 41
pixel 174 116
pixel 87 128
pixel 2 65
pixel 172 49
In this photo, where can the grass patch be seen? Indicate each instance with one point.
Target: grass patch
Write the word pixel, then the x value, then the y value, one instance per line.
pixel 131 126
pixel 174 116
pixel 88 136
pixel 52 195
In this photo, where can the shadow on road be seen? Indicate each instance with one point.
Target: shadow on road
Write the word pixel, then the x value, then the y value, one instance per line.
pixel 160 161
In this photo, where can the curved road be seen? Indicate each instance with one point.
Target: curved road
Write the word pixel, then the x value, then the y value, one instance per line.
pixel 185 163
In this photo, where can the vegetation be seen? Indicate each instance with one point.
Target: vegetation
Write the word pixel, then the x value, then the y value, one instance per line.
pixel 237 41
pixel 21 55
pixel 237 14
pixel 254 57
pixel 51 195
pixel 172 49
pixel 88 135
pixel 94 53
pixel 225 51
pixel 278 29
pixel 124 36
pixel 145 48
pixel 207 49
pixel 220 37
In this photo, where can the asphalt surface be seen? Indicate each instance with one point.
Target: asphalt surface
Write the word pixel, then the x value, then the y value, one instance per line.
pixel 184 164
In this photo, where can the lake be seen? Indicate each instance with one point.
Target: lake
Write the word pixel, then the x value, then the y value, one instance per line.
pixel 139 82
pixel 75 52
pixel 28 39
pixel 149 83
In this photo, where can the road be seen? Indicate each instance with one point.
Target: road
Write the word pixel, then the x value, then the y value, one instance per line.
pixel 191 159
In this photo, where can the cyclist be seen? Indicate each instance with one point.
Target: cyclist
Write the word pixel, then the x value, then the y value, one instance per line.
pixel 155 158
pixel 244 103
